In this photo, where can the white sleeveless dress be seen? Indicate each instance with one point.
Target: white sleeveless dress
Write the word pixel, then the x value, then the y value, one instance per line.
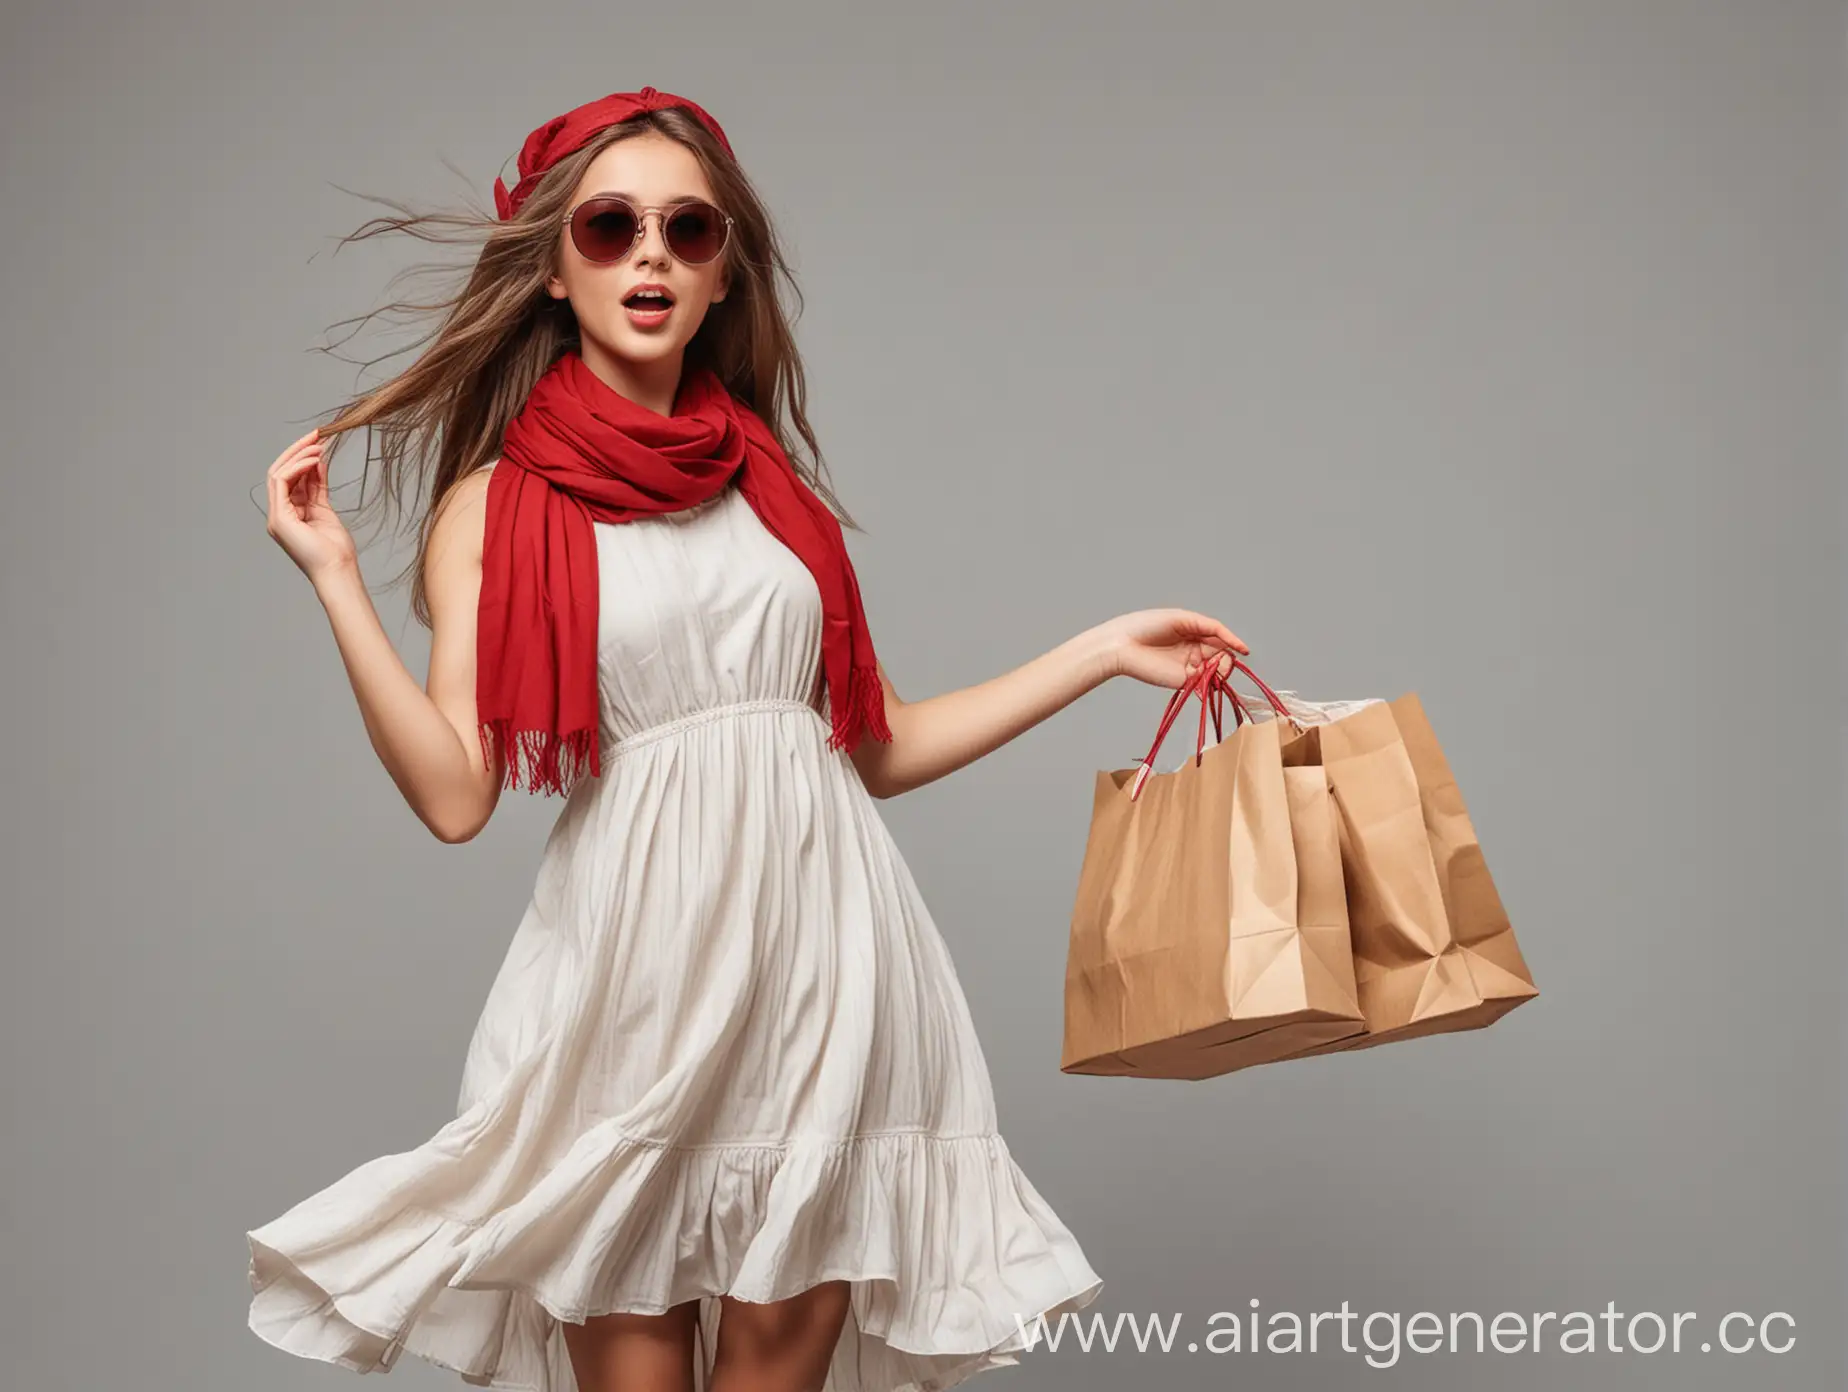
pixel 727 1050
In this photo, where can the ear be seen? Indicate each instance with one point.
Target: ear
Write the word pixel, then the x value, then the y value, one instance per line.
pixel 724 287
pixel 555 287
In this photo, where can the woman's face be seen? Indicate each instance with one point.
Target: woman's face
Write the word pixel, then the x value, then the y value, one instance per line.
pixel 651 171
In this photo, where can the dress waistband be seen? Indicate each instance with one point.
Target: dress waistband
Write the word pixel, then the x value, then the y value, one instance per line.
pixel 619 747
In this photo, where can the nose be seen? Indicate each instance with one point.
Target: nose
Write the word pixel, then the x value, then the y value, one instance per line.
pixel 653 246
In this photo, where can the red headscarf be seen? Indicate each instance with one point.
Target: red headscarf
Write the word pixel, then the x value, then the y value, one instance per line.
pixel 561 135
pixel 580 452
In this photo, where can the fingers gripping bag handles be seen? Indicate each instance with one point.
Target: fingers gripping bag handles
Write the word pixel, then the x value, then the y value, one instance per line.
pixel 1209 932
pixel 1434 950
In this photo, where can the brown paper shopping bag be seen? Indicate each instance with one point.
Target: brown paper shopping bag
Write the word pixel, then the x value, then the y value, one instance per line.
pixel 1210 929
pixel 1434 950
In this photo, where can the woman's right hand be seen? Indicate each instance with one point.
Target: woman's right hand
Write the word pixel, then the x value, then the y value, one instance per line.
pixel 301 519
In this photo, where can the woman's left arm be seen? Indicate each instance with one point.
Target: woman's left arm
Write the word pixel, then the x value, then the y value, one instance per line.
pixel 938 735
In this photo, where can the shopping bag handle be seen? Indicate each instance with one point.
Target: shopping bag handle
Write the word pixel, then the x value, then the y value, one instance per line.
pixel 1276 702
pixel 1213 689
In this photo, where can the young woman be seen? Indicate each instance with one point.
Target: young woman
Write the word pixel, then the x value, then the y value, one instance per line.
pixel 724 1123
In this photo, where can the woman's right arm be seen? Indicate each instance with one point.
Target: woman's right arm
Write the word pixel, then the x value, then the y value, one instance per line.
pixel 427 739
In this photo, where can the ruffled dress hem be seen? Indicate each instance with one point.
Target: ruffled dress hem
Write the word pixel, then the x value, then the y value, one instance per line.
pixel 953 1257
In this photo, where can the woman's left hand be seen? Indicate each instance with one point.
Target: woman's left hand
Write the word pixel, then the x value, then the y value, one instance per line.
pixel 1165 647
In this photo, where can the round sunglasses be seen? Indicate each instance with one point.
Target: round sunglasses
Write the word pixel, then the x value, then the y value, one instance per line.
pixel 607 228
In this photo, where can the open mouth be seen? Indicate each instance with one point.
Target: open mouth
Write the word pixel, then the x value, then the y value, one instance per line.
pixel 648 302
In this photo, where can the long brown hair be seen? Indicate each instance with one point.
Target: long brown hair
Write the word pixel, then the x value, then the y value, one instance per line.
pixel 443 417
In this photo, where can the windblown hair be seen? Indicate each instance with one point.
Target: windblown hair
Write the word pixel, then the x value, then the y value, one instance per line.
pixel 443 417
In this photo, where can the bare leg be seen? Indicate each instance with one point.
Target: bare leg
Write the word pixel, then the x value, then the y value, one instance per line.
pixel 783 1346
pixel 634 1353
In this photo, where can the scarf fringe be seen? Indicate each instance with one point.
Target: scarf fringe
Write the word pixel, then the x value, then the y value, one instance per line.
pixel 863 708
pixel 549 763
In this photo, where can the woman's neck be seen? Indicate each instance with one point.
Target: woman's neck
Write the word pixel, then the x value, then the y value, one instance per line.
pixel 651 385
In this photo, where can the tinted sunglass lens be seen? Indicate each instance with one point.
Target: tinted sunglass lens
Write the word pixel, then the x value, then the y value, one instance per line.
pixel 696 232
pixel 603 231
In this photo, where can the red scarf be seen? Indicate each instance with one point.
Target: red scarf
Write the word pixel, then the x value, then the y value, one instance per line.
pixel 581 452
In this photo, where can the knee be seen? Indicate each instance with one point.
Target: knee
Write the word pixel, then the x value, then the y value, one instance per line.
pixel 801 1328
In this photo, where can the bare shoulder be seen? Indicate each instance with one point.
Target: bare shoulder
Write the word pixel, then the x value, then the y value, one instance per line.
pixel 461 519
pixel 452 587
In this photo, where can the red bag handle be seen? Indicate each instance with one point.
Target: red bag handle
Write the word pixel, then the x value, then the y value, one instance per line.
pixel 1276 704
pixel 1212 687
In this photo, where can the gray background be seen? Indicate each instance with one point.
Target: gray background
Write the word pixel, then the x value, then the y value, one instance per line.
pixel 1491 350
